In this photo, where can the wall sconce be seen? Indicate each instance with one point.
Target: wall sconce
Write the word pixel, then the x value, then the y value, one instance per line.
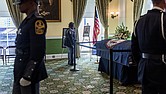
pixel 114 14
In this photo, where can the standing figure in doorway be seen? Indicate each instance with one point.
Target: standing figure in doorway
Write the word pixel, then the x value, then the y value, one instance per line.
pixel 70 42
pixel 29 64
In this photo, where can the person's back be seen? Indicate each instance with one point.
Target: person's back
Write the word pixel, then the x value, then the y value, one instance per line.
pixel 149 29
pixel 149 49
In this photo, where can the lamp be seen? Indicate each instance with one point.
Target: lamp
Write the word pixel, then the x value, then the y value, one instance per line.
pixel 114 14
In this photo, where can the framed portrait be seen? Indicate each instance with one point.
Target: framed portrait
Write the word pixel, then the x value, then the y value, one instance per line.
pixel 51 10
pixel 86 31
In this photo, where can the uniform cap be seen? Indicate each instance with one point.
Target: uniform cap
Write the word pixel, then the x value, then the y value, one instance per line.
pixel 71 24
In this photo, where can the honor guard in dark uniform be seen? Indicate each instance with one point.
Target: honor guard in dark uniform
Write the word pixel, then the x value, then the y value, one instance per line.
pixel 29 67
pixel 149 49
pixel 70 42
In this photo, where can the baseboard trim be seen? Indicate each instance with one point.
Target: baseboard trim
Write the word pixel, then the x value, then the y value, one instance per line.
pixel 56 56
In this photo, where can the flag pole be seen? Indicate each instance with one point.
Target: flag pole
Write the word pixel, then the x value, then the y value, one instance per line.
pixel 96 30
pixel 90 49
pixel 97 62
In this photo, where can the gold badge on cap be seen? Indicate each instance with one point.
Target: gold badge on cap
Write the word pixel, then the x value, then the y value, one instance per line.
pixel 39 27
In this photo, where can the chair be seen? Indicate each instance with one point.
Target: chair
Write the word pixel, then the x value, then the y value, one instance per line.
pixel 2 54
pixel 10 52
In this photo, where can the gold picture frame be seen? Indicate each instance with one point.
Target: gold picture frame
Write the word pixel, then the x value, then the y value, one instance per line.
pixel 51 10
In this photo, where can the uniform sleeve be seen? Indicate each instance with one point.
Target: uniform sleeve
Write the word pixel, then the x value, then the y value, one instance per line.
pixel 69 38
pixel 37 46
pixel 75 36
pixel 135 47
pixel 164 25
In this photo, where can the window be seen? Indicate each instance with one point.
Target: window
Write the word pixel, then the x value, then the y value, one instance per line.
pixel 6 22
pixel 147 6
pixel 7 28
pixel 88 18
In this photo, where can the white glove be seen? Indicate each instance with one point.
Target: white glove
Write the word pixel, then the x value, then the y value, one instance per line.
pixel 24 82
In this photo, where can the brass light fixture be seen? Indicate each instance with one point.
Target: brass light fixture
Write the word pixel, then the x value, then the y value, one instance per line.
pixel 114 14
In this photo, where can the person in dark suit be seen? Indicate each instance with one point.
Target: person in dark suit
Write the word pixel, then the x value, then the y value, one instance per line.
pixel 149 49
pixel 29 64
pixel 70 42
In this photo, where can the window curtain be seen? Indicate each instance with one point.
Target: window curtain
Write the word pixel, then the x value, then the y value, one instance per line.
pixel 102 6
pixel 78 11
pixel 16 16
pixel 138 5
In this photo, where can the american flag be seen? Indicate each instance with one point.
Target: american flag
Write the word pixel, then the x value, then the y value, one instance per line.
pixel 96 28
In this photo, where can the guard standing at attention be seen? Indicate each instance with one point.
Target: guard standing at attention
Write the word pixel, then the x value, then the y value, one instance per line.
pixel 29 65
pixel 70 42
pixel 149 49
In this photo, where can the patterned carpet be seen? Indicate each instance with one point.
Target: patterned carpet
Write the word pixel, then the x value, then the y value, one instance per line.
pixel 63 81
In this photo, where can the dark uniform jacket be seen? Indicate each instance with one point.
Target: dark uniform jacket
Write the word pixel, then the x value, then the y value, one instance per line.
pixel 70 37
pixel 148 38
pixel 30 49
